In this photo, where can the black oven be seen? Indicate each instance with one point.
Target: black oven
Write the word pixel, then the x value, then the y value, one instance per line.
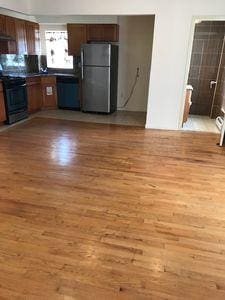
pixel 15 92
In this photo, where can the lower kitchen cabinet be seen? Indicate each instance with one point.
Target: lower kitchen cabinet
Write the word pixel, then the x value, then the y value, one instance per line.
pixel 49 91
pixel 34 94
pixel 2 105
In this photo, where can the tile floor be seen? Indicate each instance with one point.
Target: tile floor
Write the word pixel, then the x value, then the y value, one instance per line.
pixel 118 118
pixel 201 123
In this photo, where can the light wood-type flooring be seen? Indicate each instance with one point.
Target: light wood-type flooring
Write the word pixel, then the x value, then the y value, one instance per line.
pixel 93 211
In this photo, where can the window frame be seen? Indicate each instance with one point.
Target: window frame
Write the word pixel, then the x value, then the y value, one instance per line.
pixel 57 66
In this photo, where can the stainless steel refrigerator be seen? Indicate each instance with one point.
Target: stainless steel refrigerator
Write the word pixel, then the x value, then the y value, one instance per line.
pixel 99 68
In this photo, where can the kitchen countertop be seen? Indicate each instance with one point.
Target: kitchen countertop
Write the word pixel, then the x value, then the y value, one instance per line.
pixel 27 75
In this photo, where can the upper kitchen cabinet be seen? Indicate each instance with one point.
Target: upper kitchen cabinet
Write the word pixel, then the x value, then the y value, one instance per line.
pixel 7 28
pixel 32 38
pixel 21 36
pixel 103 32
pixel 11 31
pixel 37 39
pixel 25 36
pixel 77 35
pixel 2 25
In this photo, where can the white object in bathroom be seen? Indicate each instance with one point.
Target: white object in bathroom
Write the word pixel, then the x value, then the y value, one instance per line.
pixel 221 125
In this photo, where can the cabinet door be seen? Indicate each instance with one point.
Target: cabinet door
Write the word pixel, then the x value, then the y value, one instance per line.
pixel 11 31
pixel 37 39
pixel 49 91
pixel 34 97
pixel 21 36
pixel 30 38
pixel 2 25
pixel 77 35
pixel 111 32
pixel 49 95
pixel 95 32
pixel 103 32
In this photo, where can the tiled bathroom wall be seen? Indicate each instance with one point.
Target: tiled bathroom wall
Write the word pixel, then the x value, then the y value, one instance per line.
pixel 207 46
pixel 219 100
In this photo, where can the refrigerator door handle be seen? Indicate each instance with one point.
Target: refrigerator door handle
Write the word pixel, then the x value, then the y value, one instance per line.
pixel 82 64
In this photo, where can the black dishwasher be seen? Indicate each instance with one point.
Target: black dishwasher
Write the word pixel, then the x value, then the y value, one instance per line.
pixel 68 92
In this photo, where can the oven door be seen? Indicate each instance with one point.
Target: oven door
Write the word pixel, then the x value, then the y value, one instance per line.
pixel 16 99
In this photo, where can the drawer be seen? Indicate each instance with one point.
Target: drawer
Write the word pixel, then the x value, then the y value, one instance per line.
pixel 48 79
pixel 33 80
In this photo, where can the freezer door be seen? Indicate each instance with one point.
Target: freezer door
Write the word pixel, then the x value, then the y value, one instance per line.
pixel 96 89
pixel 96 55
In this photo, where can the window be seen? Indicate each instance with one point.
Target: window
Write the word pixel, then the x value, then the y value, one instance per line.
pixel 57 50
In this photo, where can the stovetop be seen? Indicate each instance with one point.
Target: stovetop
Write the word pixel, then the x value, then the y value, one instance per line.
pixel 11 81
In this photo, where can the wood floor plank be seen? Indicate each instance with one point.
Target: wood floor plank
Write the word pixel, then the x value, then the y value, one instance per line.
pixel 110 212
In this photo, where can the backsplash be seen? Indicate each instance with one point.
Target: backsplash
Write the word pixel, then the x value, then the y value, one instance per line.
pixel 20 64
pixel 32 63
pixel 13 63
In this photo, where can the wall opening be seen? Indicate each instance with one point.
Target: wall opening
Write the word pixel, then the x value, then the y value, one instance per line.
pixel 205 94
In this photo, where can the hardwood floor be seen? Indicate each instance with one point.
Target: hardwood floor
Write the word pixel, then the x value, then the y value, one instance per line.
pixel 91 211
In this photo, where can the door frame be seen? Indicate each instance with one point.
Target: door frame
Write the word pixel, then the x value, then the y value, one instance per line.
pixel 195 20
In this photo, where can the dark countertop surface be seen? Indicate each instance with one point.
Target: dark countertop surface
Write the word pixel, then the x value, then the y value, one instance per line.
pixel 27 75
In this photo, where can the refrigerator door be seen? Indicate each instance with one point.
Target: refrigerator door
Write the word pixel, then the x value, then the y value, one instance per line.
pixel 96 55
pixel 96 89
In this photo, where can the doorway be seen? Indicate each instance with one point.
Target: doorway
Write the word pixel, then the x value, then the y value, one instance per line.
pixel 206 77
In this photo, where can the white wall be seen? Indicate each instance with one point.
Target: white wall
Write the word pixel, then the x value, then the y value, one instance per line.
pixel 15 14
pixel 76 19
pixel 16 5
pixel 170 60
pixel 135 50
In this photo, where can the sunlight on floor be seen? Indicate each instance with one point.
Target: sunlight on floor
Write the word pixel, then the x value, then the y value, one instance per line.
pixel 118 118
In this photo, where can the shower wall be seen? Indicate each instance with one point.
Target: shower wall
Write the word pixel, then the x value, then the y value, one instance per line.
pixel 207 47
pixel 219 100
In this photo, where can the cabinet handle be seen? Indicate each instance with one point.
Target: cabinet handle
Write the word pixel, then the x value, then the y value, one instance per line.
pixel 82 64
pixel 212 83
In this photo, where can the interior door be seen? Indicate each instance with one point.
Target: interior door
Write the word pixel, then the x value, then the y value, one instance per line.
pixel 96 89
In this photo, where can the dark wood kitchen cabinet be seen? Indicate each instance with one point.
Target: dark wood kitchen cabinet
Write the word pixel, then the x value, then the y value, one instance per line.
pixel 34 94
pixel 11 31
pixel 2 24
pixel 25 36
pixel 21 36
pixel 32 38
pixel 2 105
pixel 49 92
pixel 37 39
pixel 77 35
pixel 103 32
